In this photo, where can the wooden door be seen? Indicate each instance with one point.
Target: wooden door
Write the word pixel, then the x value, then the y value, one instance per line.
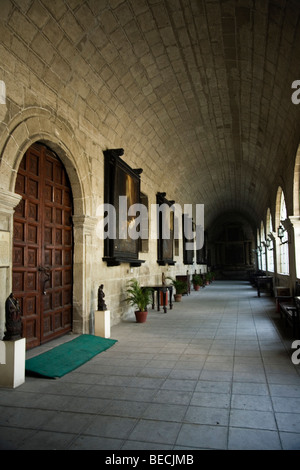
pixel 43 247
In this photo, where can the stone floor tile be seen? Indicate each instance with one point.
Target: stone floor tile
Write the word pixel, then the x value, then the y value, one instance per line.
pixel 251 402
pixel 95 443
pixel 285 390
pixel 178 384
pixel 130 409
pixel 203 436
pixel 144 446
pixel 67 422
pixel 207 415
pixel 46 440
pixel 252 419
pixel 290 441
pixel 165 412
pixel 160 432
pixel 110 426
pixel 211 386
pixel 253 439
pixel 289 422
pixel 250 388
pixel 286 404
pixel 215 400
pixel 175 397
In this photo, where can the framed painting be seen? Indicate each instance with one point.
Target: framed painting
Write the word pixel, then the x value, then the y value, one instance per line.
pixel 165 239
pixel 188 227
pixel 201 255
pixel 121 192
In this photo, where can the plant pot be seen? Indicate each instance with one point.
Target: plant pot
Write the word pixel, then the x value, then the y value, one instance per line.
pixel 177 297
pixel 141 317
pixel 196 287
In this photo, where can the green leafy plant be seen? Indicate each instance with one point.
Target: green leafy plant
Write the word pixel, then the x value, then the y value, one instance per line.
pixel 138 296
pixel 197 280
pixel 180 286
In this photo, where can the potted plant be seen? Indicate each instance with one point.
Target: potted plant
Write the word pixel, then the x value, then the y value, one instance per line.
pixel 208 278
pixel 180 287
pixel 197 281
pixel 139 297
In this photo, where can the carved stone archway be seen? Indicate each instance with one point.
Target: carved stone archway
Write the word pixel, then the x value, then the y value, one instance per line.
pixel 39 125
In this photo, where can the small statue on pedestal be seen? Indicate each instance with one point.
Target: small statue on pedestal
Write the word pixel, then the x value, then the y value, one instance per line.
pixel 101 303
pixel 13 322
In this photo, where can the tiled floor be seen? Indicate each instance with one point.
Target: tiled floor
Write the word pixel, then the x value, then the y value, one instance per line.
pixel 213 373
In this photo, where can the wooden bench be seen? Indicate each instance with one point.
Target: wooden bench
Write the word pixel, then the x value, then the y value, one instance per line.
pixel 297 320
pixel 253 275
pixel 291 313
pixel 282 294
pixel 262 282
pixel 289 308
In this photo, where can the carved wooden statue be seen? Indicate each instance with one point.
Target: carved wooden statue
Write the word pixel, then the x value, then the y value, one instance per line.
pixel 13 322
pixel 101 303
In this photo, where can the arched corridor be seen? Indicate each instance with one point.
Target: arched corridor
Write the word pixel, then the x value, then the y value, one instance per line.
pixel 200 95
pixel 187 104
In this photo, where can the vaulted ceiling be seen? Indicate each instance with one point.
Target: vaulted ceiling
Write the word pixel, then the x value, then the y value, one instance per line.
pixel 198 91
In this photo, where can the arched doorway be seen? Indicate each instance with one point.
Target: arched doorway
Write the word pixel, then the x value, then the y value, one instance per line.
pixel 43 246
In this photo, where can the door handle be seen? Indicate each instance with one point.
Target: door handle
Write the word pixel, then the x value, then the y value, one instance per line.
pixel 46 272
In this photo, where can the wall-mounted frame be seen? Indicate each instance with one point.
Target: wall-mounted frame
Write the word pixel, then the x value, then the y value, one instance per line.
pixel 188 227
pixel 121 180
pixel 201 255
pixel 165 245
pixel 144 239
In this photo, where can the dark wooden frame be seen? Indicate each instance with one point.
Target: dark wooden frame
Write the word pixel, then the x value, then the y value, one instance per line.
pixel 201 255
pixel 165 248
pixel 188 255
pixel 120 180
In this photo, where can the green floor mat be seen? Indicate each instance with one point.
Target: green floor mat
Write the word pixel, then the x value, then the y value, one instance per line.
pixel 63 359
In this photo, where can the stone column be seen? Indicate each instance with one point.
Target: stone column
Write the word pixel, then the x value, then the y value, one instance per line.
pixel 295 243
pixel 8 202
pixel 12 370
pixel 84 227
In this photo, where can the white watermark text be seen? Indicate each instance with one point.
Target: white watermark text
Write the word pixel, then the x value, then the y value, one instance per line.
pixel 2 92
pixel 165 222
pixel 296 94
pixel 2 353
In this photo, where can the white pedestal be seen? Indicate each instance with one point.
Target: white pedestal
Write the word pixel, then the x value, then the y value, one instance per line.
pixel 102 323
pixel 12 374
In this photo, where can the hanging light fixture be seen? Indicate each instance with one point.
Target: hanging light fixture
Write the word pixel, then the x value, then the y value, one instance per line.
pixel 280 232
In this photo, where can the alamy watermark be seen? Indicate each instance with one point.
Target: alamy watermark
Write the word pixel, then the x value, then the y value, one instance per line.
pixel 165 221
pixel 2 92
pixel 296 354
pixel 296 94
pixel 2 353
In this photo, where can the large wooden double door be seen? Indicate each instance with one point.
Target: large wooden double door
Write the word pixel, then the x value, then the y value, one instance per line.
pixel 43 247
